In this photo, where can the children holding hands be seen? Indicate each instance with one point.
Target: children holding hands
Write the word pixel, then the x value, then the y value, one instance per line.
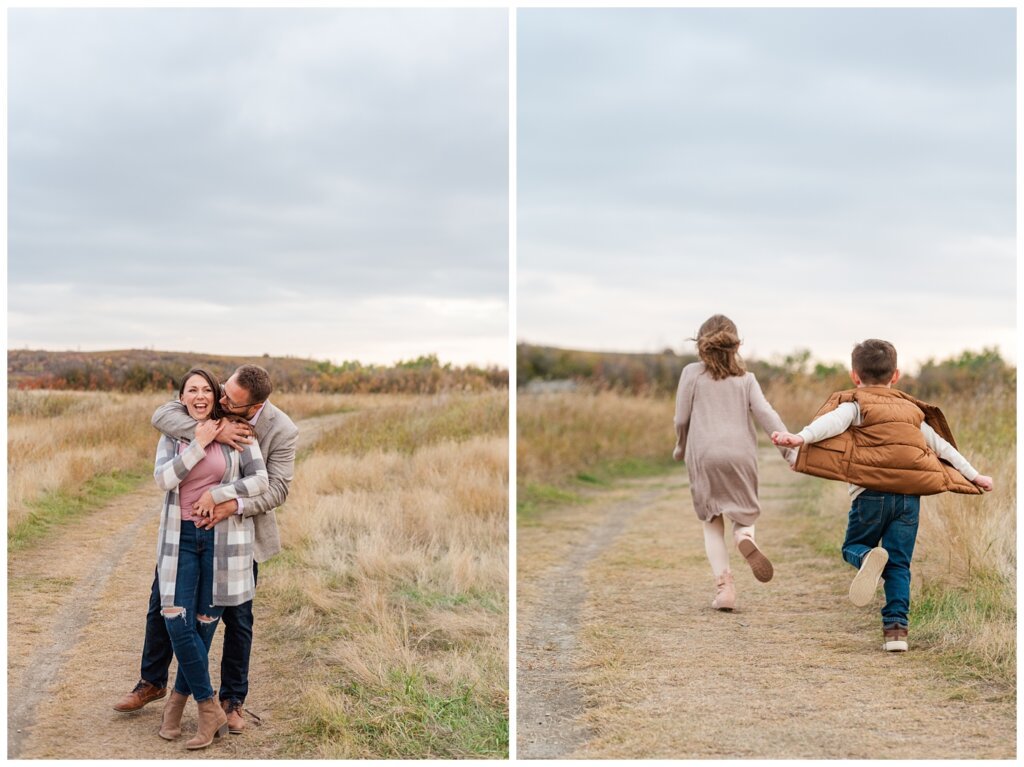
pixel 891 448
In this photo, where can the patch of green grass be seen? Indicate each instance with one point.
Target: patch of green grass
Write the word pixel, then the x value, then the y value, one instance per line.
pixel 411 717
pixel 534 498
pixel 438 599
pixel 952 622
pixel 634 468
pixel 60 507
pixel 406 428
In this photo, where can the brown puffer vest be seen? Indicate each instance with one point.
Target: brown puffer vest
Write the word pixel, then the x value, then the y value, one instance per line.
pixel 887 452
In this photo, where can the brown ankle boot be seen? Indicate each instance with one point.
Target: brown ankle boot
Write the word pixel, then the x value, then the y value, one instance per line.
pixel 170 727
pixel 725 592
pixel 213 723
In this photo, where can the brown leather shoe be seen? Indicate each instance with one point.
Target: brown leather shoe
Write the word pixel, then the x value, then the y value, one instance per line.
pixel 894 638
pixel 213 723
pixel 233 711
pixel 143 693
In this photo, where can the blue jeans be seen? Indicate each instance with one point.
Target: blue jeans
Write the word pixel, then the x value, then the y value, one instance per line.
pixel 890 519
pixel 234 663
pixel 192 627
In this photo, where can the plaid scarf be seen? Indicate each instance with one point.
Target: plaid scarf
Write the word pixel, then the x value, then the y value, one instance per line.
pixel 245 476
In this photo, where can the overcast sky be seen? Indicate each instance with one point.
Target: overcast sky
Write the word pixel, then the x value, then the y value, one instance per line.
pixel 821 176
pixel 323 183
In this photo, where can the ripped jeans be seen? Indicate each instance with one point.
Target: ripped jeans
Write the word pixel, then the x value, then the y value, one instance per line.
pixel 192 622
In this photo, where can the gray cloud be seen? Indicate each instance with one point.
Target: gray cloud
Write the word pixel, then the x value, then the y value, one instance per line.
pixel 240 157
pixel 785 162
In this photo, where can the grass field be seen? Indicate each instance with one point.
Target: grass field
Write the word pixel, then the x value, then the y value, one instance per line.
pixel 964 594
pixel 387 611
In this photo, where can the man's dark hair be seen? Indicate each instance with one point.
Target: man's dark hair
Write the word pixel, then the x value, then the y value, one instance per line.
pixel 256 381
pixel 874 361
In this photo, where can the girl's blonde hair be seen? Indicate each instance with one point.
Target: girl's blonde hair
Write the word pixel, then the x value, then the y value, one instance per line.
pixel 718 344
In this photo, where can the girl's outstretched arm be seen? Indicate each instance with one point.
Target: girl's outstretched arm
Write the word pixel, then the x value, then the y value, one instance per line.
pixel 766 417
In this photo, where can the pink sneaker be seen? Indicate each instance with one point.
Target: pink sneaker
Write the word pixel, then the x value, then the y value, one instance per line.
pixel 725 592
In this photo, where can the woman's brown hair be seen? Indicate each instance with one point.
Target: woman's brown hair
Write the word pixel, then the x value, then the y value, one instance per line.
pixel 718 344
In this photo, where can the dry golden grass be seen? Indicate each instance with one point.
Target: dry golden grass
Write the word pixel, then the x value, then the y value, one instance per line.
pixel 307 405
pixel 385 618
pixel 560 435
pixel 58 441
pixel 396 580
pixel 965 563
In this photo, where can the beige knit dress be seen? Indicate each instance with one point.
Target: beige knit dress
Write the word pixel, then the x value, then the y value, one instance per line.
pixel 718 441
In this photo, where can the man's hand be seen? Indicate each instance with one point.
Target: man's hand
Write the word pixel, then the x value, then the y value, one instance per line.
pixel 785 439
pixel 235 434
pixel 219 513
pixel 985 483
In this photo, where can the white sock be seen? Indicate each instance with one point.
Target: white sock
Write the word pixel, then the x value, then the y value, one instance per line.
pixel 714 545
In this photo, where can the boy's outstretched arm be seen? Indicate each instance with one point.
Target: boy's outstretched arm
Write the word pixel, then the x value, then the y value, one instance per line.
pixel 952 456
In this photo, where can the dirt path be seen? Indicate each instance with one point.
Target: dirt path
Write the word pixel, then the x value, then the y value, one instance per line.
pixel 620 654
pixel 76 609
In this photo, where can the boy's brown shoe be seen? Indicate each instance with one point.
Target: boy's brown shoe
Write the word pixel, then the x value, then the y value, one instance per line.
pixel 759 564
pixel 865 582
pixel 143 693
pixel 894 638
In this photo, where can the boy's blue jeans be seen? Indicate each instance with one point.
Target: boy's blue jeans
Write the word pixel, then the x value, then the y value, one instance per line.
pixel 192 628
pixel 889 520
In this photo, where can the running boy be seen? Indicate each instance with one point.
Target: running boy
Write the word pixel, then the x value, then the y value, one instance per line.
pixel 891 448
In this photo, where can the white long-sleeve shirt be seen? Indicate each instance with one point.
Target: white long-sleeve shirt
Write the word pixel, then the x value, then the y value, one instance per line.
pixel 848 414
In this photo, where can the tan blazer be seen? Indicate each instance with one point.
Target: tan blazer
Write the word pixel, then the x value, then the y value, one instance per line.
pixel 277 436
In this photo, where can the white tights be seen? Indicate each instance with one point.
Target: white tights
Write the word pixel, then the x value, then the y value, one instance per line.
pixel 714 542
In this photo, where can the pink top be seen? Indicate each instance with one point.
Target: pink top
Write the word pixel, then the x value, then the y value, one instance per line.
pixel 208 473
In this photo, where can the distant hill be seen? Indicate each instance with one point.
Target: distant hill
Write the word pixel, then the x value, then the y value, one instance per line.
pixel 653 373
pixel 135 370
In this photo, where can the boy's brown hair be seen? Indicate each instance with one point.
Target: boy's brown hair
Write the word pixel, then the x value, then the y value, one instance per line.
pixel 874 361
pixel 718 344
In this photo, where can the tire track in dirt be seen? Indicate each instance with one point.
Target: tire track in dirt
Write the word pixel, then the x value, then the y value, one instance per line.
pixel 75 624
pixel 794 672
pixel 549 701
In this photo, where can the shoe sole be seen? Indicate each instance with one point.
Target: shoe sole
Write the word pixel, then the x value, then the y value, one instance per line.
pixel 895 646
pixel 759 564
pixel 865 582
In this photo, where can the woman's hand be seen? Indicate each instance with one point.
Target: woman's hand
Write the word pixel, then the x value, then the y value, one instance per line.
pixel 204 506
pixel 207 431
